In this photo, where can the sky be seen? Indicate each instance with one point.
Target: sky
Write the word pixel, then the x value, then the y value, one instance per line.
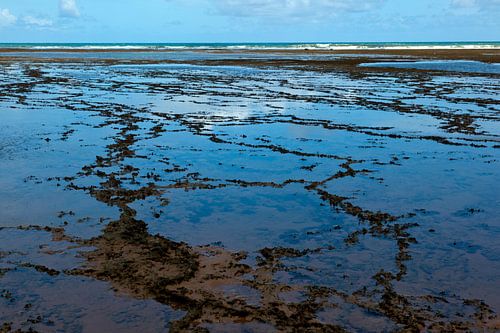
pixel 183 21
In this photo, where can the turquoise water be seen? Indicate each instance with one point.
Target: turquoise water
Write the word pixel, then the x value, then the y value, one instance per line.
pixel 308 45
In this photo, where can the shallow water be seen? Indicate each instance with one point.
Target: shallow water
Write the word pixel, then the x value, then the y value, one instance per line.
pixel 242 158
pixel 440 65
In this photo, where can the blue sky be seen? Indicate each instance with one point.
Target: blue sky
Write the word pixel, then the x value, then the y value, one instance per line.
pixel 248 20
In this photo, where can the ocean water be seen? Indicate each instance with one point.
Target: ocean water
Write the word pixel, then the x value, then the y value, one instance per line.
pixel 262 46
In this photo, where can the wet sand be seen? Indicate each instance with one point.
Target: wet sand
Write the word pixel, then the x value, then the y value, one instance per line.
pixel 249 191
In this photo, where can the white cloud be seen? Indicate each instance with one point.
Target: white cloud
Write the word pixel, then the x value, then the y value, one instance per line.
pixel 6 18
pixel 37 22
pixel 299 8
pixel 68 8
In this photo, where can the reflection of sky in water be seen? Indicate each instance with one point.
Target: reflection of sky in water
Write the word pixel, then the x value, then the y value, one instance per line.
pixel 66 303
pixel 452 65
pixel 251 109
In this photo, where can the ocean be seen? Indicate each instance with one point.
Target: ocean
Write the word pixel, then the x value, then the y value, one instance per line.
pixel 262 46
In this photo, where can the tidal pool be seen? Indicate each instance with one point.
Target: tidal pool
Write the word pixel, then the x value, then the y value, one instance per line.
pixel 442 65
pixel 243 196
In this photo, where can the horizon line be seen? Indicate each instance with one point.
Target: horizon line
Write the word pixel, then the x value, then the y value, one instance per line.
pixel 261 42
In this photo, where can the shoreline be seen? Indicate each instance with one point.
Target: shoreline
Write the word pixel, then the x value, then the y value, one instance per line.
pixel 480 54
pixel 313 60
pixel 243 49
